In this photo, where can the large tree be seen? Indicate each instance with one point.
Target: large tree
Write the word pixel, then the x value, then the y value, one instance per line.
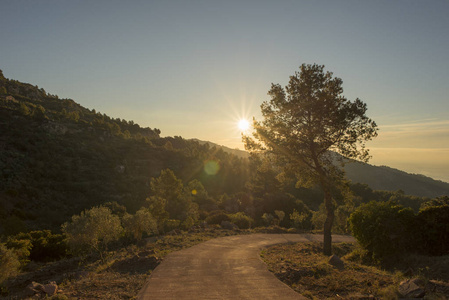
pixel 305 123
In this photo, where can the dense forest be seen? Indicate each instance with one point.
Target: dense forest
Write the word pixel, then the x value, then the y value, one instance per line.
pixel 58 158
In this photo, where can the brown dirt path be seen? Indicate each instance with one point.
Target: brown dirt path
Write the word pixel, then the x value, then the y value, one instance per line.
pixel 224 268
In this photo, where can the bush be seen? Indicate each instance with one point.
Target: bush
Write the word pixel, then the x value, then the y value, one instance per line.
pixel 139 223
pixel 171 224
pixel 21 249
pixel 217 217
pixel 9 263
pixel 301 220
pixel 92 231
pixel 434 227
pixel 44 246
pixel 383 228
pixel 241 220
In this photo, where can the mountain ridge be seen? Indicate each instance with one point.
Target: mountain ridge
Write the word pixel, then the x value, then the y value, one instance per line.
pixel 379 177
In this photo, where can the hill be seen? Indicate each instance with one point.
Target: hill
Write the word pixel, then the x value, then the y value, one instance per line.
pixel 58 158
pixel 379 177
pixel 390 179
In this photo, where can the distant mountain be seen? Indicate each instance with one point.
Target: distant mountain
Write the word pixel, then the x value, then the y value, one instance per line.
pixel 236 152
pixel 389 179
pixel 380 177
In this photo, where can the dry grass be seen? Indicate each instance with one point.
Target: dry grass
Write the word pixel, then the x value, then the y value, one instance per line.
pixel 306 270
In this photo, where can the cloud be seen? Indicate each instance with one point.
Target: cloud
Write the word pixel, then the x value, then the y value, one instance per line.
pixel 426 133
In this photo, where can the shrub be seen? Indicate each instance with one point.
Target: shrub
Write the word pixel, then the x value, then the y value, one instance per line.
pixel 21 248
pixel 268 219
pixel 92 231
pixel 217 217
pixel 434 227
pixel 139 223
pixel 171 224
pixel 45 246
pixel 383 228
pixel 9 263
pixel 241 220
pixel 301 220
pixel 188 223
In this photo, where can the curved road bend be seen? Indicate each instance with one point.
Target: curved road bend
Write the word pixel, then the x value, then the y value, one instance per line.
pixel 224 268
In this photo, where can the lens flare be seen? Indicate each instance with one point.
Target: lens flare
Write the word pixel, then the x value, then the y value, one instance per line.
pixel 211 167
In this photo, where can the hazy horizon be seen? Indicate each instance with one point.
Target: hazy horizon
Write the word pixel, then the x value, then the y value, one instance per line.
pixel 195 69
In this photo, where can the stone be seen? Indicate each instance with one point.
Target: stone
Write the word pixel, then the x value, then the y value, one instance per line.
pixel 33 288
pixel 51 288
pixel 335 261
pixel 410 289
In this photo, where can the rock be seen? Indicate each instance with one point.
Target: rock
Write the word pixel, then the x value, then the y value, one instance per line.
pixel 228 225
pixel 336 262
pixel 411 289
pixel 33 288
pixel 51 288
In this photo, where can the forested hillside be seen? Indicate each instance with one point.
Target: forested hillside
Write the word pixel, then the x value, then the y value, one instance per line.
pixel 58 158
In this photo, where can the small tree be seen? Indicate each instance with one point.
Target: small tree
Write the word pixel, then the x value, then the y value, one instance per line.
pixel 141 222
pixel 168 187
pixel 304 123
pixel 9 263
pixel 92 231
pixel 280 214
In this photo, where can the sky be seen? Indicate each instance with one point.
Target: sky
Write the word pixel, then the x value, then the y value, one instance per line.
pixel 195 68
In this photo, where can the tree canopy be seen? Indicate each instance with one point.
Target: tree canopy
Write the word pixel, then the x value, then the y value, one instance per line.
pixel 305 123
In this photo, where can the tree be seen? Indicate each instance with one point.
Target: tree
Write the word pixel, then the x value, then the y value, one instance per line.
pixel 305 124
pixel 171 189
pixel 92 230
pixel 142 221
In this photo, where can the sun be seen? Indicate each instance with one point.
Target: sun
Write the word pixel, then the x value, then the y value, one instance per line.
pixel 243 125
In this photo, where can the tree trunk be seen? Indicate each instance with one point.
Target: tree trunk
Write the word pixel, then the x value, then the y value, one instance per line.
pixel 328 223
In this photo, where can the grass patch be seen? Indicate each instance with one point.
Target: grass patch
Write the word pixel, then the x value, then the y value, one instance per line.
pixel 304 268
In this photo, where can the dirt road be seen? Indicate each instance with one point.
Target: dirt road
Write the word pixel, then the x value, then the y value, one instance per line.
pixel 223 268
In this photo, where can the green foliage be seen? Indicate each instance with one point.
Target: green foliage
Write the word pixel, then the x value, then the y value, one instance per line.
pixel 188 223
pixel 241 220
pixel 304 123
pixel 433 224
pixel 383 228
pixel 170 225
pixel 141 222
pixel 22 249
pixel 216 217
pixel 280 216
pixel 168 187
pixel 44 246
pixel 9 263
pixel 301 220
pixel 156 205
pixel 92 231
pixel 444 200
pixel 267 219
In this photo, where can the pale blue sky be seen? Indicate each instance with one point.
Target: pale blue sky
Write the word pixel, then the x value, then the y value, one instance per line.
pixel 193 68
